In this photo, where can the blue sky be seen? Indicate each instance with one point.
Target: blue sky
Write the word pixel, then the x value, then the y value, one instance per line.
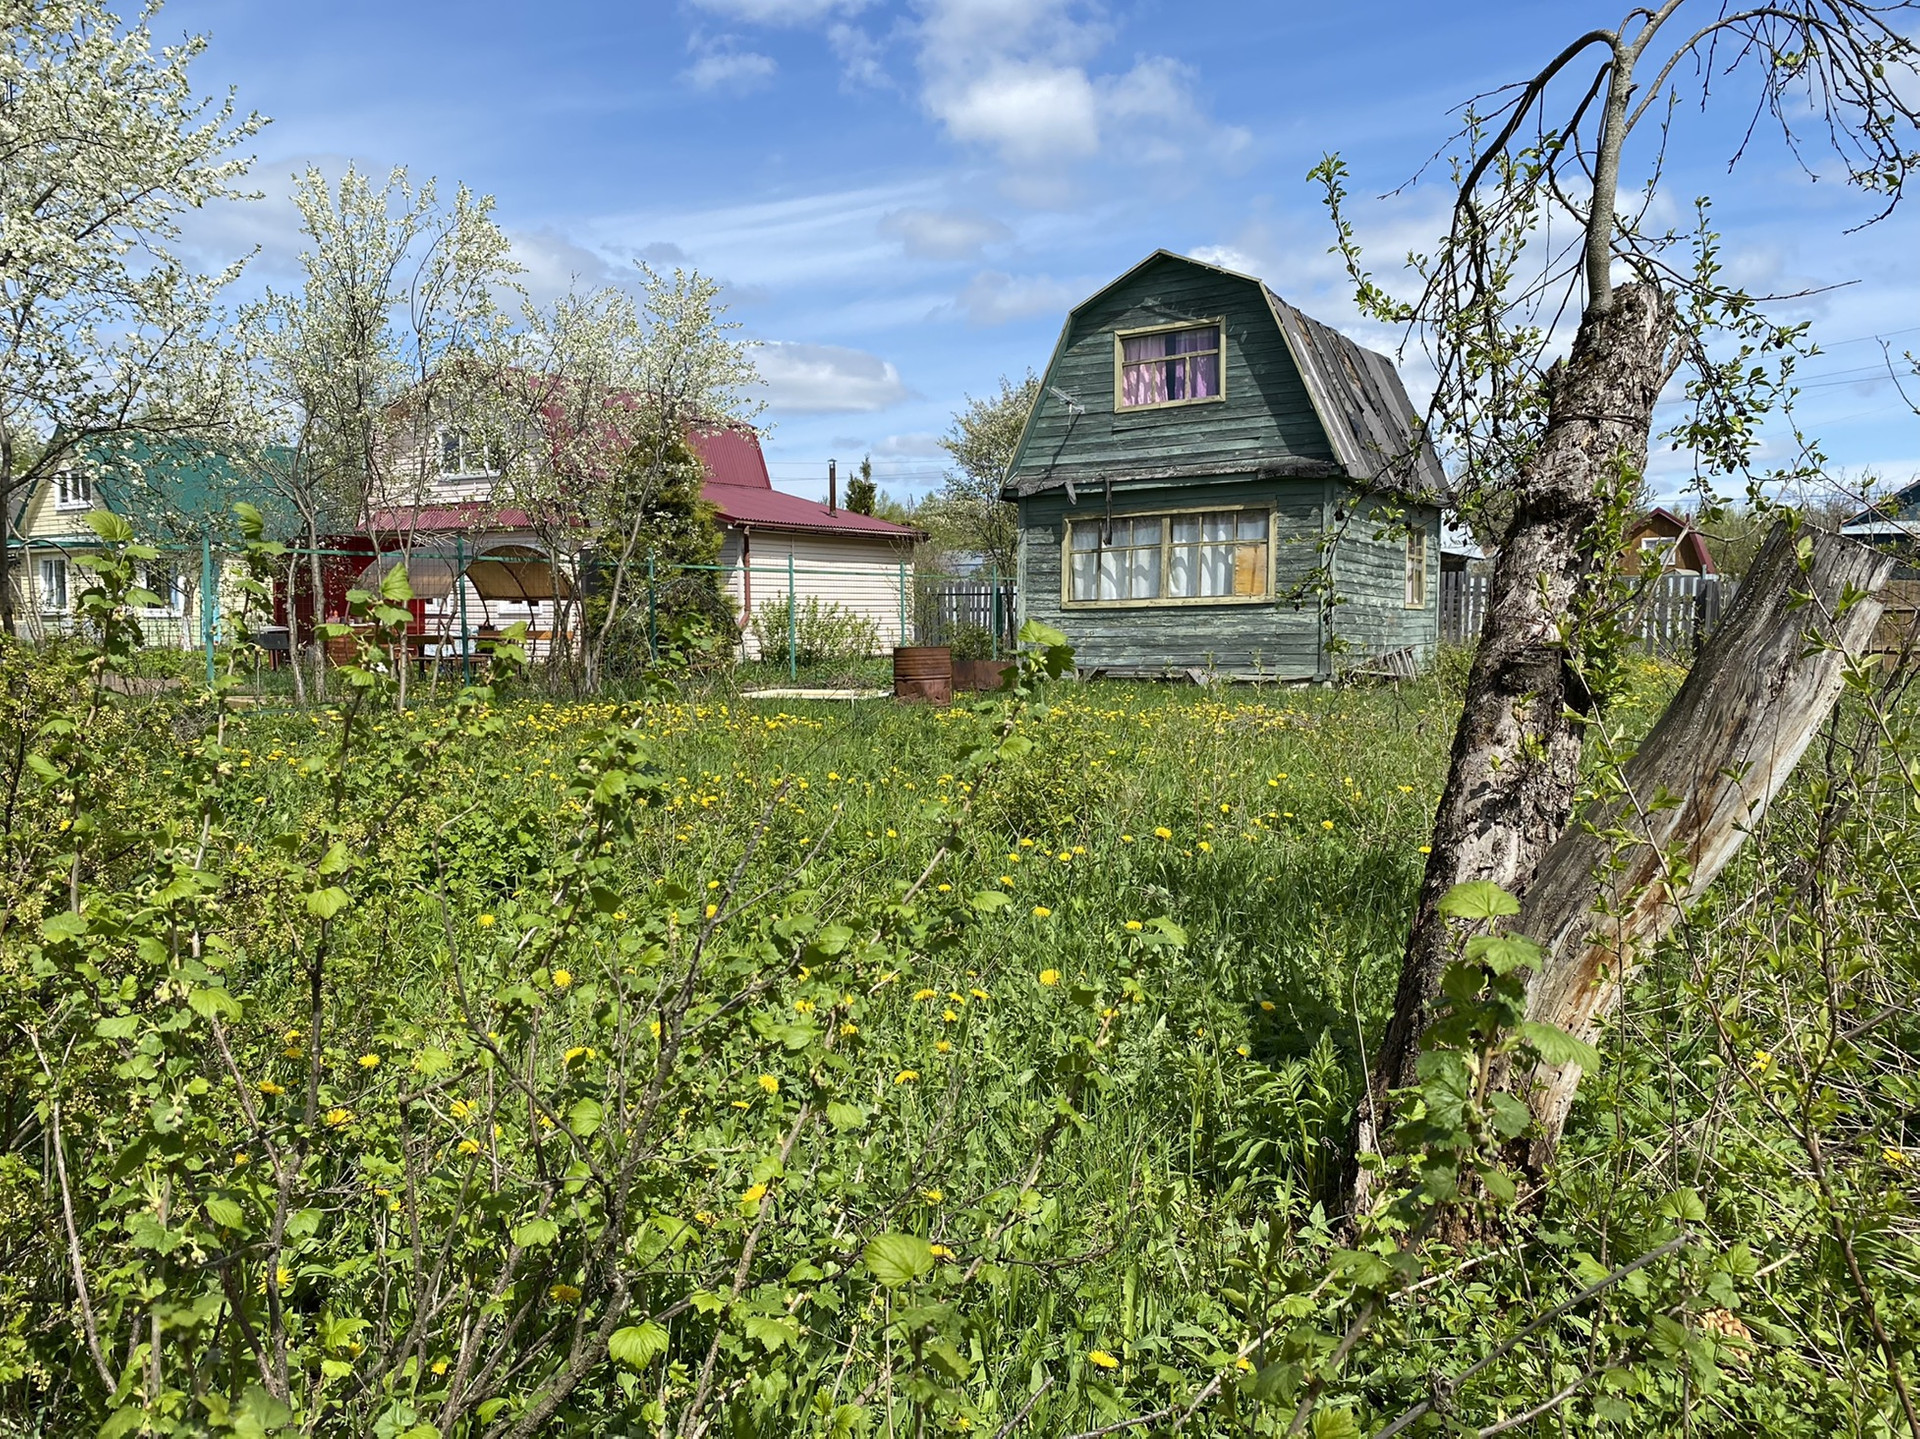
pixel 904 197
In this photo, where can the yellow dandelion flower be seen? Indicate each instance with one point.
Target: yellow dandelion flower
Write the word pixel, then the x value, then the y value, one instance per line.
pixel 933 1196
pixel 439 1367
pixel 1040 911
pixel 1163 833
pixel 755 1193
pixel 1206 846
pixel 712 910
pixel 460 1108
pixel 564 1294
pixel 1134 926
pixel 1760 1061
pixel 1267 1005
pixel 940 1251
pixel 1049 977
pixel 1426 849
pixel 1103 1359
pixel 1244 1364
pixel 369 1061
pixel 338 1117
pixel 469 1146
pixel 906 1076
pixel 942 1046
pixel 770 1083
pixel 1242 1051
pixel 269 1088
pixel 485 921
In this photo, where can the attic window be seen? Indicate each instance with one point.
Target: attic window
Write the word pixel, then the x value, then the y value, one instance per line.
pixel 1167 365
pixel 72 492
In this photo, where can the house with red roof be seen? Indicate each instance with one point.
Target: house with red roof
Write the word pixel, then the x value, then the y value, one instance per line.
pixel 778 544
pixel 476 565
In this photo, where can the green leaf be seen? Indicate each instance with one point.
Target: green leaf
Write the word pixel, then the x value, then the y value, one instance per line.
pixel 214 1004
pixel 1685 1206
pixel 227 1213
pixel 638 1345
pixel 326 903
pixel 584 1116
pixel 432 1061
pixel 843 1116
pixel 65 925
pixel 1335 1424
pixel 119 1026
pixel 1478 899
pixel 988 900
pixel 1510 1116
pixel 1035 633
pixel 771 1332
pixel 394 586
pixel 535 1232
pixel 896 1259
pixel 1555 1046
pixel 1503 953
pixel 113 529
pixel 1499 1184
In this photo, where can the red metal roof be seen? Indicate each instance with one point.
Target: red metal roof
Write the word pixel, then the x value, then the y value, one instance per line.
pixel 739 487
pixel 442 519
pixel 772 509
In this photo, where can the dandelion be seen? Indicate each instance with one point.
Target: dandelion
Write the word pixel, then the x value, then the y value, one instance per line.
pixel 1049 977
pixel 940 1251
pixel 1026 844
pixel 439 1367
pixel 1206 846
pixel 926 994
pixel 1760 1062
pixel 564 1294
pixel 485 921
pixel 1126 839
pixel 1163 833
pixel 712 910
pixel 1242 1051
pixel 942 1046
pixel 1267 1005
pixel 1006 879
pixel 933 1196
pixel 979 994
pixel 338 1117
pixel 269 1088
pixel 1244 1364
pixel 849 1029
pixel 461 1109
pixel 468 1146
pixel 770 1083
pixel 369 1061
pixel 906 1076
pixel 1326 824
pixel 803 1006
pixel 1134 926
pixel 1040 911
pixel 1103 1359
pixel 1426 849
pixel 754 1194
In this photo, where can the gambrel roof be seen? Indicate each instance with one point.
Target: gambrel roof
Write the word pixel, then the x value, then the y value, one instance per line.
pixel 1371 429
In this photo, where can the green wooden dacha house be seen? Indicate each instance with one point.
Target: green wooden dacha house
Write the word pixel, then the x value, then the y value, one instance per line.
pixel 1210 482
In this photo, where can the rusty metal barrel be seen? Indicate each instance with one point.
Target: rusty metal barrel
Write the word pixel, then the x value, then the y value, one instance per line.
pixel 923 673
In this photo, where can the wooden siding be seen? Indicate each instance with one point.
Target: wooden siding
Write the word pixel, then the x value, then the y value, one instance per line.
pixel 1282 639
pixel 1266 417
pixel 1370 581
pixel 862 574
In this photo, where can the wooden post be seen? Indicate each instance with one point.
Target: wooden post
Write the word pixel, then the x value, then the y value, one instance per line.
pixel 1764 682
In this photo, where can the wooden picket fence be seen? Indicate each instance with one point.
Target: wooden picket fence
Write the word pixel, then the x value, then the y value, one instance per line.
pixel 1678 612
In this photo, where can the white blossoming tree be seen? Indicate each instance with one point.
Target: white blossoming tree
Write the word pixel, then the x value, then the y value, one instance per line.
pixel 104 333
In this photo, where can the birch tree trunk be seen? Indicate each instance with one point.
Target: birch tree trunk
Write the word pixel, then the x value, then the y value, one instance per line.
pixel 1516 754
pixel 1762 686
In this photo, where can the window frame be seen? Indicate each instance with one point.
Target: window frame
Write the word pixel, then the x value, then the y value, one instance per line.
pixel 72 492
pixel 1425 570
pixel 1120 337
pixel 1166 518
pixel 45 566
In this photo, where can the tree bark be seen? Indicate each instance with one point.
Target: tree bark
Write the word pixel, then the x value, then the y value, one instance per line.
pixel 1762 686
pixel 1516 754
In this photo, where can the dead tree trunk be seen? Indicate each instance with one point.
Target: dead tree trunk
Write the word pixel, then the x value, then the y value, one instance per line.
pixel 1762 685
pixel 1516 755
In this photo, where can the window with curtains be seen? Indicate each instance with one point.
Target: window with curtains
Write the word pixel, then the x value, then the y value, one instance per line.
pixel 1172 365
pixel 53 586
pixel 1210 555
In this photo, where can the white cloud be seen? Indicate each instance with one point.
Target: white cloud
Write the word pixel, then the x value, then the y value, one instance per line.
pixel 913 446
pixel 782 12
pixel 729 69
pixel 827 379
pixel 859 54
pixel 1036 115
pixel 1227 258
pixel 943 234
pixel 993 298
pixel 555 264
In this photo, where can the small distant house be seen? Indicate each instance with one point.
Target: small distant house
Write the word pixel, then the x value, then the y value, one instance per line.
pixel 1205 468
pixel 776 541
pixel 1893 524
pixel 175 490
pixel 1669 539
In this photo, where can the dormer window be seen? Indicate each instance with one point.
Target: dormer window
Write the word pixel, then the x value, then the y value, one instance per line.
pixel 72 491
pixel 1167 365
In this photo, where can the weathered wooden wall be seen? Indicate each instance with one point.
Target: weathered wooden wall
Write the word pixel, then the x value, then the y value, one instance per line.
pixel 1282 639
pixel 1266 415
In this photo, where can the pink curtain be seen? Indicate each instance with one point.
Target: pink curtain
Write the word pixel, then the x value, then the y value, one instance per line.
pixel 1169 366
